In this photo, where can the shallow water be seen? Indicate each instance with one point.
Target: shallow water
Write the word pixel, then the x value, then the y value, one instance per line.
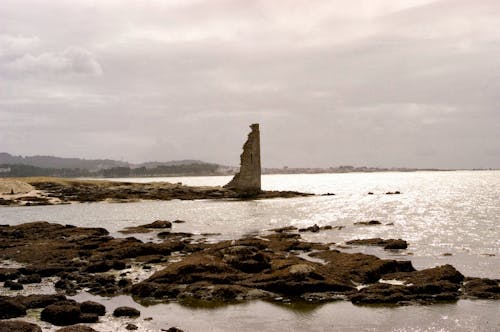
pixel 453 213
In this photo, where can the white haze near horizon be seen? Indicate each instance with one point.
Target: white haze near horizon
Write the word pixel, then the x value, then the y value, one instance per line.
pixel 379 83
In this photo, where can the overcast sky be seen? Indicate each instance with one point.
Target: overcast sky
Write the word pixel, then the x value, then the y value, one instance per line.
pixel 345 82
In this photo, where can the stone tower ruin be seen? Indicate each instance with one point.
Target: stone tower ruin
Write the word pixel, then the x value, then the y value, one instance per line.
pixel 247 180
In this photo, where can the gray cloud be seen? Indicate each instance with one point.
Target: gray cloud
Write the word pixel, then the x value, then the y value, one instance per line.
pixel 16 45
pixel 72 60
pixel 385 83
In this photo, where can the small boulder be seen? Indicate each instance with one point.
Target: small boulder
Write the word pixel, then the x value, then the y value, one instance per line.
pixel 8 274
pixel 61 314
pixel 12 285
pixel 315 228
pixel 19 326
pixel 131 327
pixel 126 312
pixel 98 267
pixel 93 308
pixel 10 308
pixel 368 223
pixel 396 244
pixel 159 224
pixel 30 279
pixel 482 288
pixel 66 285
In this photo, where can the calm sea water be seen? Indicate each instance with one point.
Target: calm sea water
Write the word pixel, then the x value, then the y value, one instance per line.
pixel 438 213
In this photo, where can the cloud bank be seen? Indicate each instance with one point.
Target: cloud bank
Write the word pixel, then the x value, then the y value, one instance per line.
pixel 378 83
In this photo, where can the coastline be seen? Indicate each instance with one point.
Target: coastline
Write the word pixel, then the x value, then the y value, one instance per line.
pixel 36 191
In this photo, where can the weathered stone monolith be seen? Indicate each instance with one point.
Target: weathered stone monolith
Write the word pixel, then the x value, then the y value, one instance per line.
pixel 247 180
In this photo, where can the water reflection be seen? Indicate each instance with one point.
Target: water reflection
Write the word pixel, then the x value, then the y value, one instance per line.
pixel 452 213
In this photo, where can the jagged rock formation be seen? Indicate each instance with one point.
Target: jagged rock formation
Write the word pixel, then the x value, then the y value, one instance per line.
pixel 247 180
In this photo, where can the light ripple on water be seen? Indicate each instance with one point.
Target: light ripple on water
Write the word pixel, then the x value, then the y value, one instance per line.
pixel 437 212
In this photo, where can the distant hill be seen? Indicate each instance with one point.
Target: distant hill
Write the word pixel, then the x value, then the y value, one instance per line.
pixel 153 164
pixel 58 162
pixel 87 164
pixel 19 166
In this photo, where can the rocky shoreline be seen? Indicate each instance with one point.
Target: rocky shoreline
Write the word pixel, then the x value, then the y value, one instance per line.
pixel 53 191
pixel 278 267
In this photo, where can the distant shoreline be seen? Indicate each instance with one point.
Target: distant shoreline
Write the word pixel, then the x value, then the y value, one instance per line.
pixel 17 166
pixel 294 173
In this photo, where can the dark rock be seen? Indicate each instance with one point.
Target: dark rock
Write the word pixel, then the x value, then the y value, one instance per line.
pixel 118 265
pixel 387 244
pixel 173 329
pixel 18 326
pixel 40 300
pixel 10 308
pixel 124 282
pixel 98 267
pixel 396 244
pixel 482 288
pixel 284 229
pixel 126 312
pixel 177 221
pixel 76 328
pixel 61 314
pixel 12 285
pixel 30 279
pixel 369 223
pixel 68 286
pixel 131 327
pixel 370 193
pixel 265 267
pixel 93 307
pixel 159 224
pixel 178 235
pixel 435 274
pixel 424 293
pixel 315 228
pixel 47 270
pixel 8 274
pixel 88 318
pixel 245 258
pixel 7 201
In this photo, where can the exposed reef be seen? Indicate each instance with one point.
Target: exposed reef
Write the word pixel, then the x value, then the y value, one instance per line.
pixel 275 267
pixel 50 191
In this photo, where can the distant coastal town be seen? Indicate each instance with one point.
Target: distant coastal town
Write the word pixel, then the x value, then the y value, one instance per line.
pixel 20 166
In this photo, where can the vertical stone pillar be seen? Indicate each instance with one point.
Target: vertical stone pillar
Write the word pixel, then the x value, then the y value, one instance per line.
pixel 247 180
